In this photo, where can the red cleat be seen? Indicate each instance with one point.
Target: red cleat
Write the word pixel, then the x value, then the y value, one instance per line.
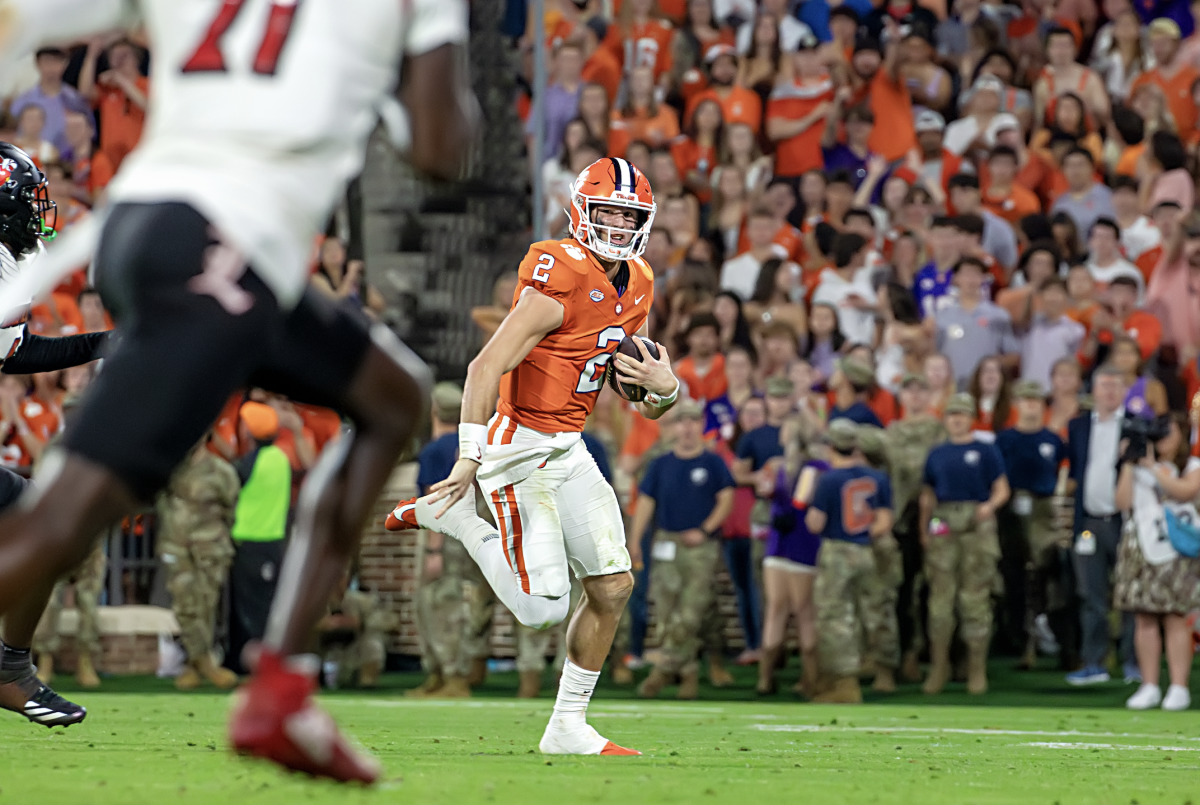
pixel 612 749
pixel 275 718
pixel 403 517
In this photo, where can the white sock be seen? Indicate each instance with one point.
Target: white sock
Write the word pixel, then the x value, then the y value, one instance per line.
pixel 487 549
pixel 574 692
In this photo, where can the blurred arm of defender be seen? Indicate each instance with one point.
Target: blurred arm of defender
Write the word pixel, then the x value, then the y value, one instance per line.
pixel 25 25
pixel 533 317
pixel 440 129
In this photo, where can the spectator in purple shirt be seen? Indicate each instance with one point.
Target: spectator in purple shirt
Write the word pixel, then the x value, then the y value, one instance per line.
pixel 55 97
pixel 853 154
pixel 562 98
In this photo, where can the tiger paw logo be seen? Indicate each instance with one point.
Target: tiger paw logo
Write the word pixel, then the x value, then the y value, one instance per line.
pixel 574 252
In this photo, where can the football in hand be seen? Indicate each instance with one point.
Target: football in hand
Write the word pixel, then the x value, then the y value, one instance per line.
pixel 630 391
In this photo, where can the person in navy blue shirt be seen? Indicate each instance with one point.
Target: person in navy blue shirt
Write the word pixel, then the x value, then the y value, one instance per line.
pixel 852 383
pixel 1028 536
pixel 964 485
pixel 851 505
pixel 686 495
pixel 758 447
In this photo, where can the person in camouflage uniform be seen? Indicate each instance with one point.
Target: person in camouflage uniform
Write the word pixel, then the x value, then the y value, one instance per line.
pixel 878 603
pixel 850 509
pixel 88 581
pixel 352 638
pixel 686 494
pixel 195 514
pixel 451 622
pixel 963 486
pixel 907 443
pixel 1032 455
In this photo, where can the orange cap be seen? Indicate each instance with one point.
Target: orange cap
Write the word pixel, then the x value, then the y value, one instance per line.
pixel 261 420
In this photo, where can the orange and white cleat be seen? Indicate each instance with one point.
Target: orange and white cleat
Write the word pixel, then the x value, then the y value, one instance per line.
pixel 612 749
pixel 403 517
pixel 577 737
pixel 275 718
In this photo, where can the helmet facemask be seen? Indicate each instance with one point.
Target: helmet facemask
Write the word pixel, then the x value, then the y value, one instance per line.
pixel 45 212
pixel 589 233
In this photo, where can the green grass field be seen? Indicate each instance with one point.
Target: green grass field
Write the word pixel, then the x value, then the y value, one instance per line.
pixel 1034 741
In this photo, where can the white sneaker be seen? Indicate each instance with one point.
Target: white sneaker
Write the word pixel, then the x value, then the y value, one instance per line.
pixel 1177 698
pixel 578 740
pixel 1148 696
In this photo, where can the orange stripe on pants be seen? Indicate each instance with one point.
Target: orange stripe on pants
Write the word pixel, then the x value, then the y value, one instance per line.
pixel 509 432
pixel 517 534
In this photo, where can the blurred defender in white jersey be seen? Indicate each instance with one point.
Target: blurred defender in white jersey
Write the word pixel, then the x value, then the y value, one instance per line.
pixel 259 114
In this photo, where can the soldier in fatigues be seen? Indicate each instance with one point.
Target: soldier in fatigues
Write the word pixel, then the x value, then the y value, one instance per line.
pixel 963 486
pixel 352 635
pixel 195 514
pixel 851 507
pixel 686 494
pixel 1032 454
pixel 908 442
pixel 450 637
pixel 89 583
pixel 878 604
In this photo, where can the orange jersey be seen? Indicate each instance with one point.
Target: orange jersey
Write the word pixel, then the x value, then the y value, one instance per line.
pixel 556 386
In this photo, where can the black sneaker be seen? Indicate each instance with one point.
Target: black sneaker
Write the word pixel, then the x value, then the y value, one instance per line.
pixel 39 703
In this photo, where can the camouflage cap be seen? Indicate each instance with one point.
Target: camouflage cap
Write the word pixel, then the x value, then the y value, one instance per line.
pixel 688 409
pixel 914 377
pixel 960 404
pixel 447 401
pixel 1028 390
pixel 842 434
pixel 780 386
pixel 870 442
pixel 857 372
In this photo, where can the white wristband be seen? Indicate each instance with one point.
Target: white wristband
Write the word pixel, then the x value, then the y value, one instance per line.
pixel 472 441
pixel 654 401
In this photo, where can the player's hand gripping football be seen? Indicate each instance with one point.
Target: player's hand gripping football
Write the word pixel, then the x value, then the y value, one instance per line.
pixel 652 374
pixel 460 481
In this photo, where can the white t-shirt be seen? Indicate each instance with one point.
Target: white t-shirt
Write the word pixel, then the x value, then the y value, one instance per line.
pixel 1121 268
pixel 962 132
pixel 740 274
pixel 261 145
pixel 858 326
pixel 1140 237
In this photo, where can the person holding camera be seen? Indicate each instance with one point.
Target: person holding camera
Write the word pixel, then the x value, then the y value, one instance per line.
pixel 1153 580
pixel 1093 450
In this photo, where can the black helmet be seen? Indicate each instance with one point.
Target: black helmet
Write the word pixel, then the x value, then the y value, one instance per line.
pixel 24 203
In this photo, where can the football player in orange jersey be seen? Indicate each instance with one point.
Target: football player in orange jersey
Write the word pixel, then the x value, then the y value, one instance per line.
pixel 576 300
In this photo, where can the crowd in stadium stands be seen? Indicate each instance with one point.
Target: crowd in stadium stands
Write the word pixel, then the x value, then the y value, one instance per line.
pixel 867 208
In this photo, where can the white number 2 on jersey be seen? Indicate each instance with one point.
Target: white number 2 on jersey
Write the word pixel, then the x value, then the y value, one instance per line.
pixel 592 377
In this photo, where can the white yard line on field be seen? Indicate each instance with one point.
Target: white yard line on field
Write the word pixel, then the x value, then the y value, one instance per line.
pixel 1118 747
pixel 955 731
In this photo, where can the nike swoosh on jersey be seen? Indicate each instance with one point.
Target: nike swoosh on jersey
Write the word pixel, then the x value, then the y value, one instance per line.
pixel 638 301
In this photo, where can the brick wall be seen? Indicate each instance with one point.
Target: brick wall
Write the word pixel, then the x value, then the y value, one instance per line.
pixel 388 568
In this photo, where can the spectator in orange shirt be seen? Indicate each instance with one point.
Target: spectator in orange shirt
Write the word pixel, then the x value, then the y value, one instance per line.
pixel 703 370
pixel 738 104
pixel 796 114
pixel 1003 196
pixel 120 94
pixel 696 152
pixel 600 65
pixel 643 117
pixel 1174 78
pixel 1119 316
pixel 876 79
pixel 641 37
pixel 1128 131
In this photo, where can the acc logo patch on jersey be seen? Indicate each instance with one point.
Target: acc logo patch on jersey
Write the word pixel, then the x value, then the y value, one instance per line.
pixel 596 296
pixel 574 252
